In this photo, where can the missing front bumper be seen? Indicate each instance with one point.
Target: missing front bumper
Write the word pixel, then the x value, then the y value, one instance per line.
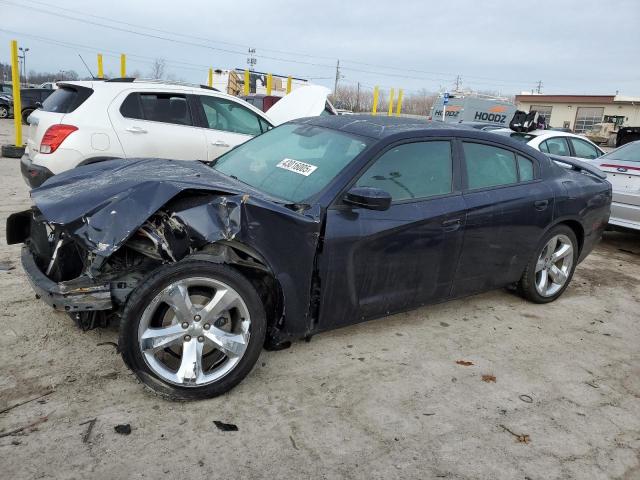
pixel 72 296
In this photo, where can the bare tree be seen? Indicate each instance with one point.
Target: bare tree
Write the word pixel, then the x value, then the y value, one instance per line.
pixel 158 68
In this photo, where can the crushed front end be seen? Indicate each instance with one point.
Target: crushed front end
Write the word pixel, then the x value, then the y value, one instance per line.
pixel 70 278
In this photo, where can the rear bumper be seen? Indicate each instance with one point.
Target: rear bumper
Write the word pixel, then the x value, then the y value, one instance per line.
pixel 34 175
pixel 625 215
pixel 65 296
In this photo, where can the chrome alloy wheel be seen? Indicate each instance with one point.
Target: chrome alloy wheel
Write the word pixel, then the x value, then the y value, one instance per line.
pixel 194 332
pixel 554 265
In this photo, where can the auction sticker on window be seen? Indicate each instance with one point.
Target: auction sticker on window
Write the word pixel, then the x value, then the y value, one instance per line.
pixel 297 166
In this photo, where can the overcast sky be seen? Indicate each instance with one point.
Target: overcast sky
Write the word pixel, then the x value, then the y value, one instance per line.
pixel 573 46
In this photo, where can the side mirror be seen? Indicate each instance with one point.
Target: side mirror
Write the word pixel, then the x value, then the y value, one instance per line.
pixel 368 197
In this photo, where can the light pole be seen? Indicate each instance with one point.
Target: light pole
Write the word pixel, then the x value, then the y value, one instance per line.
pixel 24 63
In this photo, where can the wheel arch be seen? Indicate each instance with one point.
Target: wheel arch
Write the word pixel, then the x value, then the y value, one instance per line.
pixel 575 226
pixel 250 263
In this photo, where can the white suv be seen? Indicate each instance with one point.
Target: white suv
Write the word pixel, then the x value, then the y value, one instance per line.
pixel 91 121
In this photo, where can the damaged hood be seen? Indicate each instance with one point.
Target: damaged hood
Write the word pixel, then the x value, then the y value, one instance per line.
pixel 105 203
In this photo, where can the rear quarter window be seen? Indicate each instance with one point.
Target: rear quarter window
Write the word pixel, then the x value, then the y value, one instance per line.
pixel 66 99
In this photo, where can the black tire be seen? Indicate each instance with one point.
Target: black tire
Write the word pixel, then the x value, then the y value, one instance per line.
pixel 154 284
pixel 25 114
pixel 527 285
pixel 4 111
pixel 12 151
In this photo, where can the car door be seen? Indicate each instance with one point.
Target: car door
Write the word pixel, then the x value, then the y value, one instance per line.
pixel 157 124
pixel 376 262
pixel 508 208
pixel 227 124
pixel 583 149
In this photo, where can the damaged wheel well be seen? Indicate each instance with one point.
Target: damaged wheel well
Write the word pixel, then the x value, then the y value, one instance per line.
pixel 250 264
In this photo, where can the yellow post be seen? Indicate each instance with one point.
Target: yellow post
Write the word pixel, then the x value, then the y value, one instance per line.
pixel 289 84
pixel 399 106
pixel 15 84
pixel 269 84
pixel 210 77
pixel 246 82
pixel 376 94
pixel 123 65
pixel 100 67
pixel 390 112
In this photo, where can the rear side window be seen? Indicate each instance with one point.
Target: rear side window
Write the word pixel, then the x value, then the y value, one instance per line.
pixel 584 149
pixel 525 167
pixel 489 166
pixel 157 107
pixel 412 170
pixel 556 146
pixel 66 99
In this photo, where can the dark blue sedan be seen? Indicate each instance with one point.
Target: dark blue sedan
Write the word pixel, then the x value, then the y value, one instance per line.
pixel 314 225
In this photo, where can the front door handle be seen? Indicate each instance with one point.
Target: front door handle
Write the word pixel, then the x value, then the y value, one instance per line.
pixel 541 204
pixel 220 143
pixel 136 130
pixel 451 224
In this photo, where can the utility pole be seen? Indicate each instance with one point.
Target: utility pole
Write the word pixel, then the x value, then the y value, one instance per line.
pixel 24 63
pixel 539 87
pixel 251 59
pixel 458 83
pixel 358 98
pixel 335 86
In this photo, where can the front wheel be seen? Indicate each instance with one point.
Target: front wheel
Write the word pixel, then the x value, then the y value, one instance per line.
pixel 4 111
pixel 193 330
pixel 551 268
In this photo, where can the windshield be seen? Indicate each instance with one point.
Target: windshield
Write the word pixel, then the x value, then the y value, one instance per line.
pixel 520 137
pixel 627 153
pixel 292 162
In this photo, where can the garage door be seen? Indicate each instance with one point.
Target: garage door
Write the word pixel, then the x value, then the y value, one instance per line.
pixel 587 117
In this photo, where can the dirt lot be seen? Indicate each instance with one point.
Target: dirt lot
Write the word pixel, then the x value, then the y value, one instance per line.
pixel 384 399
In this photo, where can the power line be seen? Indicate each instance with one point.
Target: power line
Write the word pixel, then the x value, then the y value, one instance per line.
pixel 225 50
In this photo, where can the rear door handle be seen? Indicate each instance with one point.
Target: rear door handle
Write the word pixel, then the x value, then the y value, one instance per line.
pixel 541 204
pixel 136 130
pixel 451 224
pixel 220 143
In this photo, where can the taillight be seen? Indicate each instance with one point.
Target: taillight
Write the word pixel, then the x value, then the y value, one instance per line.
pixel 54 136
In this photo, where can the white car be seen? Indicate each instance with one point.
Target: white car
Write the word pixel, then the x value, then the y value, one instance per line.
pixel 555 142
pixel 91 121
pixel 622 167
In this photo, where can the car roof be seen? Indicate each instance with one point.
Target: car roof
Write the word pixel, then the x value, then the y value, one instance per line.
pixel 540 133
pixel 381 126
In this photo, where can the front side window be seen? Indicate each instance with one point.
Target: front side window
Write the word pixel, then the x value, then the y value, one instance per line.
pixel 292 162
pixel 412 170
pixel 229 116
pixel 584 149
pixel 489 166
pixel 556 146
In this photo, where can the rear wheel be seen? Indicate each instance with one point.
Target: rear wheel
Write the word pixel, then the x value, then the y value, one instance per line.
pixel 4 111
pixel 193 330
pixel 551 268
pixel 25 114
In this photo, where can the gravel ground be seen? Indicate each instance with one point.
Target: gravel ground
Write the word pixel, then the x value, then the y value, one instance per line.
pixel 550 391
